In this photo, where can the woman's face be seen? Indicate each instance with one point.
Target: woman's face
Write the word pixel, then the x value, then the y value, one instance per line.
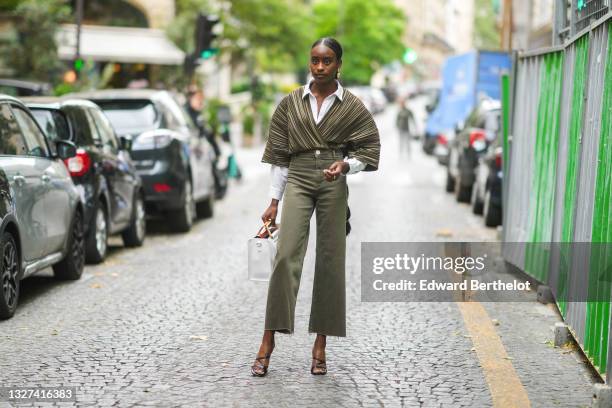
pixel 323 64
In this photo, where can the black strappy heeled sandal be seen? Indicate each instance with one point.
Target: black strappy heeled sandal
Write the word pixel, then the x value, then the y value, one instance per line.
pixel 320 365
pixel 259 369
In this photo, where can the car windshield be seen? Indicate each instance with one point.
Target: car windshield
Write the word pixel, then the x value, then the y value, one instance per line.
pixel 53 123
pixel 130 116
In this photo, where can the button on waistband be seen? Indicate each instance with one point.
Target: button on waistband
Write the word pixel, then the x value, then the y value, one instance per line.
pixel 317 152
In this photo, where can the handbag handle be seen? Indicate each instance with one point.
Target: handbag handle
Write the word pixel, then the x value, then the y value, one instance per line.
pixel 265 226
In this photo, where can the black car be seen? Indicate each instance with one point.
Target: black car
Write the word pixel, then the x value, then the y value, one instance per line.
pixel 19 88
pixel 469 144
pixel 102 171
pixel 172 157
pixel 41 212
pixel 487 191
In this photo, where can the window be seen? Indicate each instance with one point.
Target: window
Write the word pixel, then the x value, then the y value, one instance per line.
pixel 34 138
pixel 130 116
pixel 171 118
pixel 53 122
pixel 80 125
pixel 11 140
pixel 492 121
pixel 91 124
pixel 105 130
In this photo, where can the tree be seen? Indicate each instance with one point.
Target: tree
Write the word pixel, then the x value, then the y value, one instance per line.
pixel 8 5
pixel 31 52
pixel 370 33
pixel 182 28
pixel 273 33
pixel 486 31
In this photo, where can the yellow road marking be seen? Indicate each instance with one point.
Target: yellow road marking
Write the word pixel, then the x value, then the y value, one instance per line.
pixel 504 384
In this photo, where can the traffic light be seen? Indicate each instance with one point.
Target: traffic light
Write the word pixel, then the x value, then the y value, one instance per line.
pixel 205 35
pixel 410 56
pixel 78 64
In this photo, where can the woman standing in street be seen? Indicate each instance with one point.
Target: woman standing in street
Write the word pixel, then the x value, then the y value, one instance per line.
pixel 319 133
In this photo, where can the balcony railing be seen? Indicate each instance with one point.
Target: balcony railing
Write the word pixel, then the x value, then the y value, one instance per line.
pixel 573 16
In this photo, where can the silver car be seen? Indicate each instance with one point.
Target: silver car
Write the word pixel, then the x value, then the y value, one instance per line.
pixel 41 211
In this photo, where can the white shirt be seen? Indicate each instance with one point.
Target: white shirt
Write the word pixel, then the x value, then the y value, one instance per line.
pixel 279 174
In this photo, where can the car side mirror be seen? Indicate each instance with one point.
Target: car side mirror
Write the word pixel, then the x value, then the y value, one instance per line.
pixel 125 142
pixel 65 149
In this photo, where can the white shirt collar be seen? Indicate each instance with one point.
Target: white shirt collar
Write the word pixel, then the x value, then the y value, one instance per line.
pixel 339 92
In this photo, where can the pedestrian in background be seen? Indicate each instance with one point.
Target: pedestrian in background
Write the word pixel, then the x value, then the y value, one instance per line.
pixel 403 125
pixel 311 131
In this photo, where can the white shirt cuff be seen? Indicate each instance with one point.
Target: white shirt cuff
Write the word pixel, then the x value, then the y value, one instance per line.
pixel 355 166
pixel 279 181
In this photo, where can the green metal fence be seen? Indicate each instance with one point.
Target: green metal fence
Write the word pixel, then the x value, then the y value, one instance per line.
pixel 559 181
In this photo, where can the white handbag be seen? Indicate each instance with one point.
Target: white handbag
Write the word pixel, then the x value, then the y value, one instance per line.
pixel 262 250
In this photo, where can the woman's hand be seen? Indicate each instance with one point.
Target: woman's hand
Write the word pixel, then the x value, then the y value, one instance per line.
pixel 270 213
pixel 335 170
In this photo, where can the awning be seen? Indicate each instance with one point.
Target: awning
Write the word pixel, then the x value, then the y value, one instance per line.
pixel 119 44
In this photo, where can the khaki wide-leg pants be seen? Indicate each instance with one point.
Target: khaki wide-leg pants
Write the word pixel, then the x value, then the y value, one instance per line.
pixel 308 191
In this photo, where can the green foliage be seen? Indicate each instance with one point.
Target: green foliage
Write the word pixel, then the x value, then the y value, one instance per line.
pixel 211 111
pixel 487 34
pixel 248 120
pixel 8 5
pixel 370 33
pixel 241 86
pixel 182 29
pixel 276 31
pixel 63 89
pixel 31 51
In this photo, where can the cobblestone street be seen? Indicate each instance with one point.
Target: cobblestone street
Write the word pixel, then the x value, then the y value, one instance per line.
pixel 177 322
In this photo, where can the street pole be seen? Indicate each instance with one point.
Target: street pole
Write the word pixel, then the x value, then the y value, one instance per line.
pixel 507 20
pixel 79 21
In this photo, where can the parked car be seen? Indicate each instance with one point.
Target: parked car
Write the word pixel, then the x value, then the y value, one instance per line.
pixel 102 170
pixel 19 88
pixel 466 79
pixel 469 145
pixel 487 191
pixel 41 213
pixel 373 98
pixel 443 142
pixel 172 157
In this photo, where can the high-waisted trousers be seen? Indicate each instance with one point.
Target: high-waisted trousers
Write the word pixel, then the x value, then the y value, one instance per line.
pixel 307 191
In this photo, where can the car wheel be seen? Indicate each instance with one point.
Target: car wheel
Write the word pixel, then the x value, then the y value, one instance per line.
pixel 462 193
pixel 135 234
pixel 450 182
pixel 9 275
pixel 183 218
pixel 206 208
pixel 475 201
pixel 492 213
pixel 97 239
pixel 71 267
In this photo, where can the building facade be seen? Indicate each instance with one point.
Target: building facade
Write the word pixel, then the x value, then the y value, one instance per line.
pixel 532 26
pixel 436 29
pixel 159 13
